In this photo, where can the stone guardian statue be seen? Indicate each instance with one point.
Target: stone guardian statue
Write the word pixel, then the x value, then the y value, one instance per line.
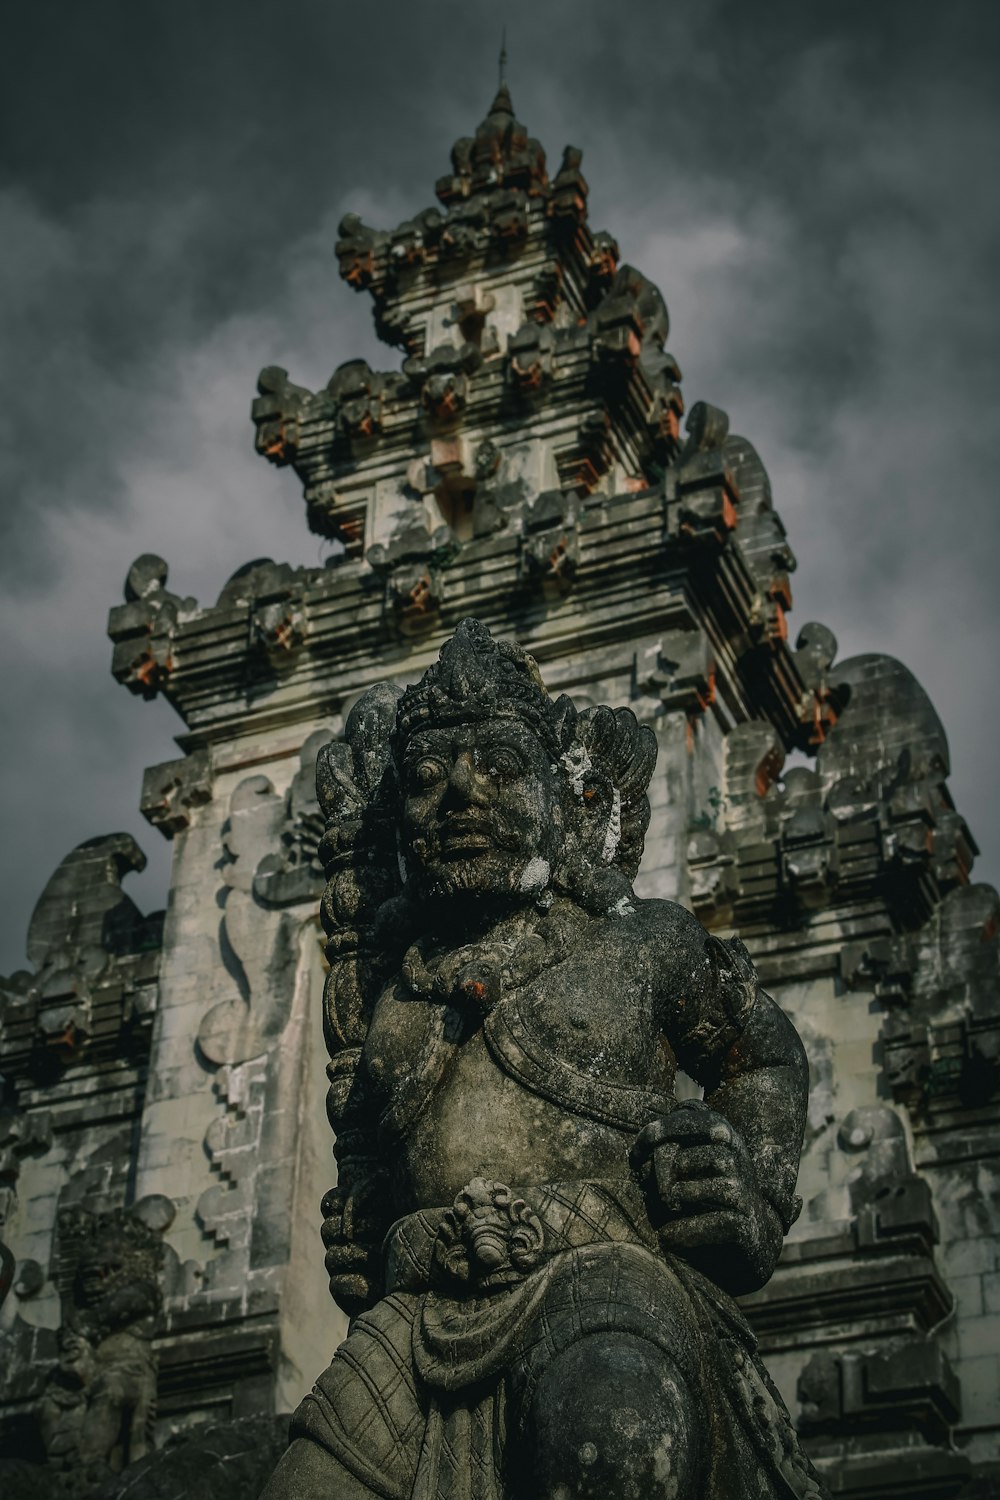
pixel 537 1244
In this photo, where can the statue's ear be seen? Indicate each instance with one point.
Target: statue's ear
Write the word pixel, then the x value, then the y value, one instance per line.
pixel 620 748
pixel 565 716
pixel 596 732
pixel 368 732
pixel 589 799
pixel 598 735
pixel 622 755
pixel 336 789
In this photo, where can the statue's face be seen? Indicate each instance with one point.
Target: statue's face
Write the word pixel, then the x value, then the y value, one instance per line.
pixel 99 1270
pixel 481 810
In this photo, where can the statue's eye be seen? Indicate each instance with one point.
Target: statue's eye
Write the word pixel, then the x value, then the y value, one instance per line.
pixel 503 762
pixel 427 771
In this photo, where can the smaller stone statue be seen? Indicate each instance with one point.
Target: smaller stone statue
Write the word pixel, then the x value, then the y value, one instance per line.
pixel 97 1412
pixel 538 1245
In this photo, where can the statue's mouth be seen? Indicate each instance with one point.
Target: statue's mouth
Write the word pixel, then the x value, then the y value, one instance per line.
pixel 465 836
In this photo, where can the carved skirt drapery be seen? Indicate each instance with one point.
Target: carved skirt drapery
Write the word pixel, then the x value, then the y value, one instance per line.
pixel 427 1397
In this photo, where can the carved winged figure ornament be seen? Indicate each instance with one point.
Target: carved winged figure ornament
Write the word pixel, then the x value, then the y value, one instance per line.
pixel 537 1245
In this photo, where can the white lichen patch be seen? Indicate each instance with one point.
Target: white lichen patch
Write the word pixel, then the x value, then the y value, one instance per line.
pixel 535 875
pixel 613 832
pixel 576 763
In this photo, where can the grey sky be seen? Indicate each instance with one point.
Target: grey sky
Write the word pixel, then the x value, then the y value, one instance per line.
pixel 811 186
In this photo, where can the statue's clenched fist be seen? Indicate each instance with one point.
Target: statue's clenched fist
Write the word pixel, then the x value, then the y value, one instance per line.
pixel 705 1197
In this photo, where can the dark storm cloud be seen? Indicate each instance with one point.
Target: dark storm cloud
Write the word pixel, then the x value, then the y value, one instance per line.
pixel 811 186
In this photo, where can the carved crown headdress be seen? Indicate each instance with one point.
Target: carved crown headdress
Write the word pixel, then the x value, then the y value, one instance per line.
pixel 477 677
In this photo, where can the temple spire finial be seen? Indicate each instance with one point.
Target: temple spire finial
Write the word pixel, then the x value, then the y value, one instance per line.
pixel 502 104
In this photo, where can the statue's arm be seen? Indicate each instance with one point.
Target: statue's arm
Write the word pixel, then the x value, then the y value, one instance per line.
pixel 723 1170
pixel 355 1211
pixel 760 1084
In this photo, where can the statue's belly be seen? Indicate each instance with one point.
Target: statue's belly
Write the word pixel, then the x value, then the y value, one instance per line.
pixel 482 1123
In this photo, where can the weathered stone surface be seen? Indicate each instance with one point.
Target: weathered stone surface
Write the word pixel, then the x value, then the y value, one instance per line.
pixel 521 1198
pixel 232 1458
pixel 171 792
pixel 526 465
pixel 96 1408
pixel 94 955
pixel 74 1042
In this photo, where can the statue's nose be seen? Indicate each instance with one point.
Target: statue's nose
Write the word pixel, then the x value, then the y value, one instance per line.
pixel 465 783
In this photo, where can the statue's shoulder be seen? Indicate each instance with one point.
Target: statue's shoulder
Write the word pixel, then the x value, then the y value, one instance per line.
pixel 657 938
pixel 708 985
pixel 666 924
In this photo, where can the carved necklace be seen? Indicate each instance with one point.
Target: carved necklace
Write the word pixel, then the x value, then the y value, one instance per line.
pixel 474 977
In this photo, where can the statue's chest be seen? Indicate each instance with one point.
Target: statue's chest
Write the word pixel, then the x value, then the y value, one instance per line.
pixel 592 1012
pixel 584 1022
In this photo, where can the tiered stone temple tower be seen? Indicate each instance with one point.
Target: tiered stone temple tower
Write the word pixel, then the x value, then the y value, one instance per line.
pixel 529 463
